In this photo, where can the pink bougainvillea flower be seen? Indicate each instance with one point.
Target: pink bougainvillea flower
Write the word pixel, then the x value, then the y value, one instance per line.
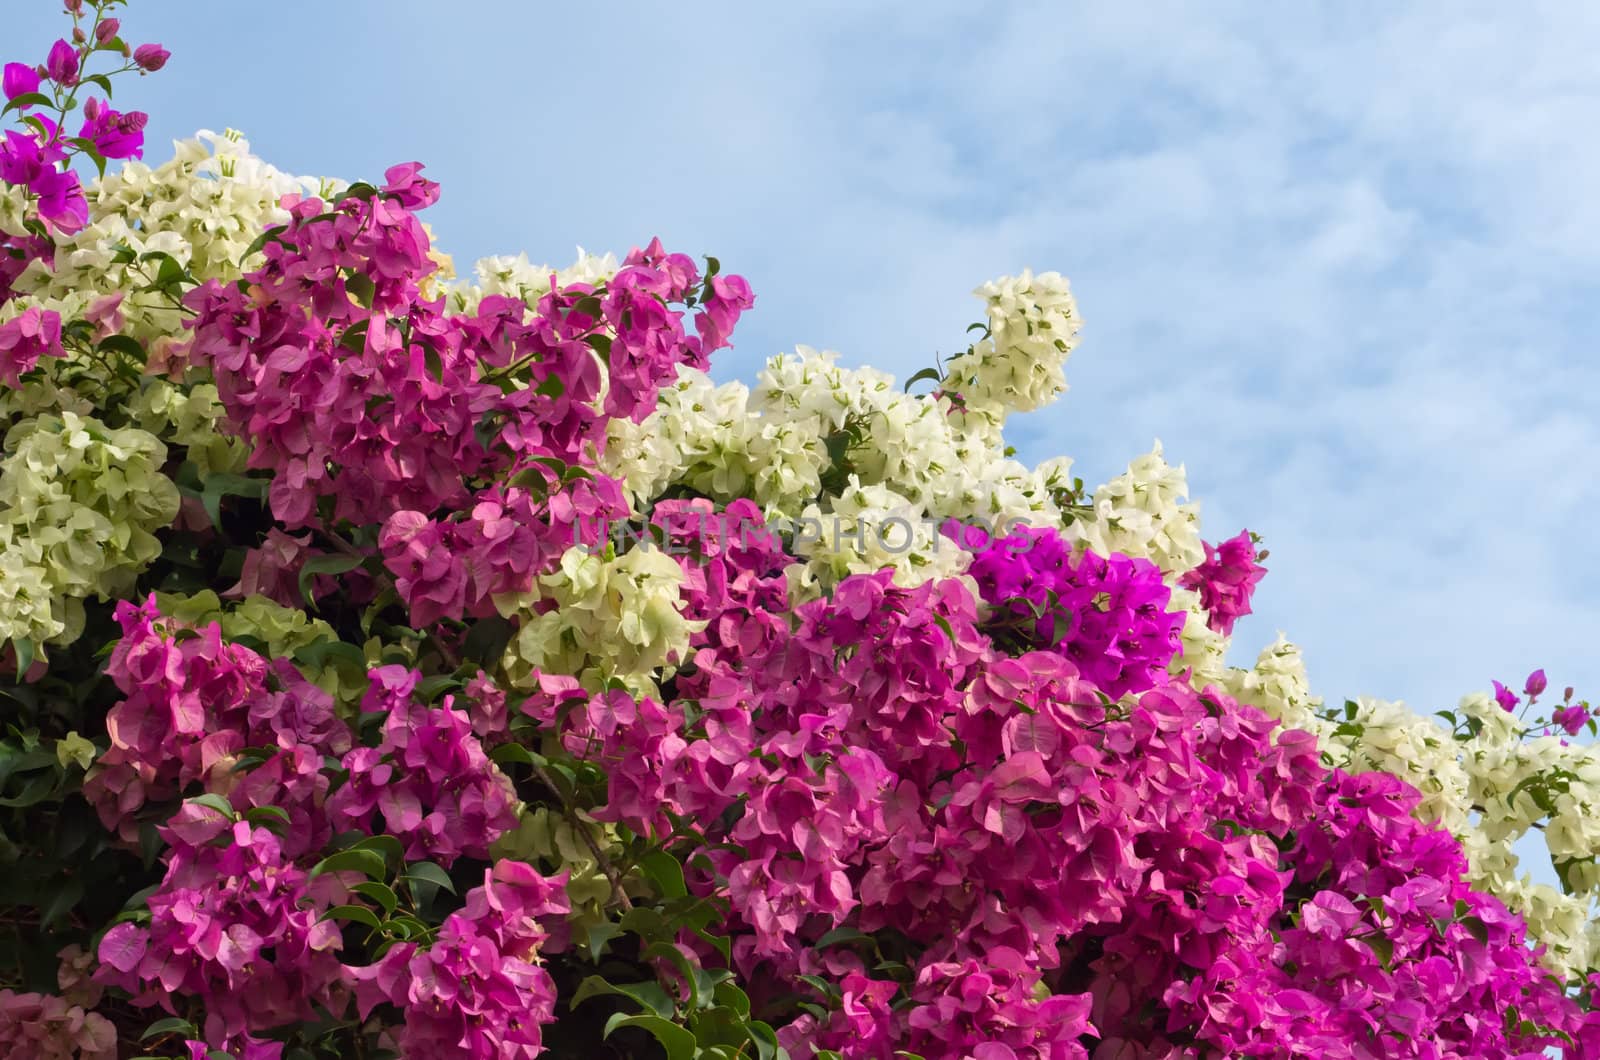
pixel 62 64
pixel 19 80
pixel 24 339
pixel 1226 580
pixel 115 135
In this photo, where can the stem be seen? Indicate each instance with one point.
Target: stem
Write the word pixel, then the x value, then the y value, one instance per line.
pixel 617 892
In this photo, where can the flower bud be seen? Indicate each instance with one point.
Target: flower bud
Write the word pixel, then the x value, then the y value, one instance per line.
pixel 1536 684
pixel 106 30
pixel 151 57
pixel 78 36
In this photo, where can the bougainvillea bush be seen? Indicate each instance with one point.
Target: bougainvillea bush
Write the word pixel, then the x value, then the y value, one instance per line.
pixel 405 665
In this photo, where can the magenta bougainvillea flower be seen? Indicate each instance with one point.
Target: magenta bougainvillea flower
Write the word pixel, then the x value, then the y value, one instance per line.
pixel 1226 580
pixel 368 739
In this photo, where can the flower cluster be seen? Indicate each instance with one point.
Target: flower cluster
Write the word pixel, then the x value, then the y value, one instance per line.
pixel 35 158
pixel 1226 580
pixel 47 1027
pixel 1107 614
pixel 429 778
pixel 196 709
pixel 478 990
pixel 235 924
pixel 79 506
pixel 703 696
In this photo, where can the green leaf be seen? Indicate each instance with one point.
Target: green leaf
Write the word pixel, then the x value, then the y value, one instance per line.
pixel 360 914
pixel 765 1039
pixel 368 862
pixel 211 800
pixel 335 563
pixel 170 1025
pixel 270 815
pixel 229 485
pixel 386 845
pixel 65 899
pixel 317 655
pixel 27 99
pixel 1476 927
pixel 728 994
pixel 429 688
pixel 840 935
pixel 125 346
pixel 1382 947
pixel 380 893
pixel 926 373
pixel 821 986
pixel 170 274
pixel 428 872
pixel 666 951
pixel 599 935
pixel 24 647
pixel 663 870
pixel 273 234
pixel 515 754
pixel 361 286
pixel 678 1042
pixel 486 641
pixel 649 996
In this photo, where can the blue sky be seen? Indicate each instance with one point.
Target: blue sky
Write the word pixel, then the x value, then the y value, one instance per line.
pixel 1341 261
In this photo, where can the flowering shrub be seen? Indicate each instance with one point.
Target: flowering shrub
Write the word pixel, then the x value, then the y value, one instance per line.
pixel 403 665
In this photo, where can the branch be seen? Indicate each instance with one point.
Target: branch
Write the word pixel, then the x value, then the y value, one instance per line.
pixel 578 826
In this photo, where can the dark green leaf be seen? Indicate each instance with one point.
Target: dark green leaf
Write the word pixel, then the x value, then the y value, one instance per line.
pixel 429 688
pixel 515 754
pixel 486 641
pixel 170 1025
pixel 387 845
pixel 360 914
pixel 840 935
pixel 677 1041
pixel 212 800
pixel 334 563
pixel 368 862
pixel 268 814
pixel 27 99
pixel 663 870
pixel 926 373
pixel 428 872
pixel 765 1039
pixel 223 485
pixel 273 233
pixel 24 648
pixel 666 951
pixel 599 935
pixel 649 996
pixel 361 286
